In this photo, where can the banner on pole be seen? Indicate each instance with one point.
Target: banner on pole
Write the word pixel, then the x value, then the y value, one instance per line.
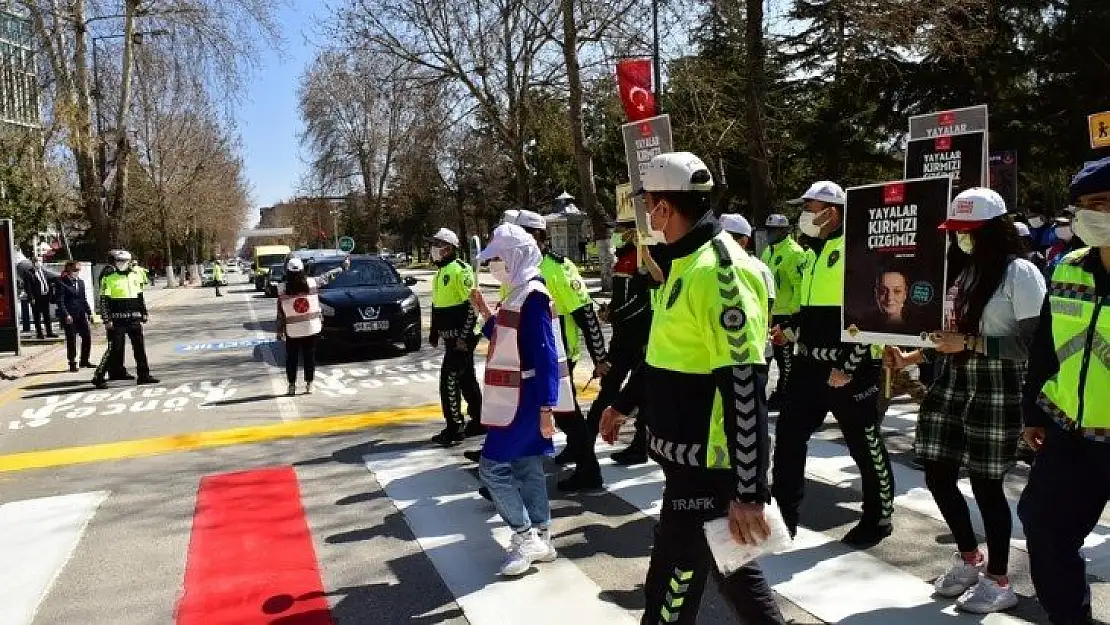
pixel 953 122
pixel 626 208
pixel 895 262
pixel 1099 127
pixel 634 84
pixel 961 156
pixel 1004 176
pixel 643 141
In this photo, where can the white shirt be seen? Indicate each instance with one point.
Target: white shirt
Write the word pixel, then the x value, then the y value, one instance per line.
pixel 768 277
pixel 1019 297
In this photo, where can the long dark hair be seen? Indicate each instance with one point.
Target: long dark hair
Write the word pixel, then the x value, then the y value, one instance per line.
pixel 996 245
pixel 296 283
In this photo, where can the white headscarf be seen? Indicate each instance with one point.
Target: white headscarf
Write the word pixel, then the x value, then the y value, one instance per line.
pixel 518 249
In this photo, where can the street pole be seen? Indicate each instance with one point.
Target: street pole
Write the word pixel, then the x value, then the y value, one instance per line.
pixel 656 66
pixel 335 226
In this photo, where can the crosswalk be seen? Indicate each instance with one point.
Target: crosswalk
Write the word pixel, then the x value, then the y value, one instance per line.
pixel 250 551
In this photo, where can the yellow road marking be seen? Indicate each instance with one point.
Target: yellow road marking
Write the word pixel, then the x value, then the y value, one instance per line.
pixel 220 438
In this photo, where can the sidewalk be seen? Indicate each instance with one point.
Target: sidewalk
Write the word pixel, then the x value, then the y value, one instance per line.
pixel 35 354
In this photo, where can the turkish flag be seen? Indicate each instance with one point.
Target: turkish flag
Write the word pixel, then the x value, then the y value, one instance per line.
pixel 634 83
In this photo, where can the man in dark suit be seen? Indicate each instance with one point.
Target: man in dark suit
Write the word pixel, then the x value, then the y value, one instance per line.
pixel 38 286
pixel 74 314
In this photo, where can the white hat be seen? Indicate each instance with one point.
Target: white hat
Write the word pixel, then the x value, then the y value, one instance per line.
pixel 443 235
pixel 1022 230
pixel 777 221
pixel 505 237
pixel 509 216
pixel 676 171
pixel 123 255
pixel 973 208
pixel 736 224
pixel 823 191
pixel 294 264
pixel 529 219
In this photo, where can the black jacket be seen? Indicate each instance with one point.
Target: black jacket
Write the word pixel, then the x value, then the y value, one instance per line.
pixel 69 295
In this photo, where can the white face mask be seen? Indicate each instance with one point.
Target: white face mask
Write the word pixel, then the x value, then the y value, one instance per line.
pixel 965 243
pixel 658 236
pixel 807 223
pixel 1093 227
pixel 437 254
pixel 1036 222
pixel 122 266
pixel 499 271
pixel 1063 233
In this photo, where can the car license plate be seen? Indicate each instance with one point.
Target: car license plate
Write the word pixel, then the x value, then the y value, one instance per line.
pixel 370 326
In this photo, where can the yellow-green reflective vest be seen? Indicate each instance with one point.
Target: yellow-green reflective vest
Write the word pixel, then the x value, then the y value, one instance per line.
pixel 787 261
pixel 569 293
pixel 1078 396
pixel 217 271
pixel 453 284
pixel 121 286
pixel 711 313
pixel 823 280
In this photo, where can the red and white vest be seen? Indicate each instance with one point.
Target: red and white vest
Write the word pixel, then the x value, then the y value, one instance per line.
pixel 503 377
pixel 302 312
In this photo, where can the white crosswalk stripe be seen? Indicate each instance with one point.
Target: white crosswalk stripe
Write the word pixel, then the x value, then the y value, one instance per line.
pixel 37 539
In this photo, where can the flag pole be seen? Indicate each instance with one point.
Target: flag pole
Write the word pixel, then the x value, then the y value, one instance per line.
pixel 655 56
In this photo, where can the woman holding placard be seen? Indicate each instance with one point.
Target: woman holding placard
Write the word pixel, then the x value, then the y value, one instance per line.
pixel 971 415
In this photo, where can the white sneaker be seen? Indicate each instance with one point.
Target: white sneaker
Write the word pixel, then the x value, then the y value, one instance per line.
pixel 987 596
pixel 544 534
pixel 292 390
pixel 958 578
pixel 524 549
pixel 308 388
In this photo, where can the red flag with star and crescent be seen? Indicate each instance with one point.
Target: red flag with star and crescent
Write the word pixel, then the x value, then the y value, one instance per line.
pixel 634 83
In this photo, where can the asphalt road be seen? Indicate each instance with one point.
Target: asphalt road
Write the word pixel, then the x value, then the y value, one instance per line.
pixel 211 498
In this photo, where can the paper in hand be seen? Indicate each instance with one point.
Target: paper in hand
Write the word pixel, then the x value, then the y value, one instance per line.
pixel 731 555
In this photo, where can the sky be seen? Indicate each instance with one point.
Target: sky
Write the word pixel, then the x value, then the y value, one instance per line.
pixel 268 120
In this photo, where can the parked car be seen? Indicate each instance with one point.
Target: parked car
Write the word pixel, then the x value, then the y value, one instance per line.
pixel 277 275
pixel 207 280
pixel 368 303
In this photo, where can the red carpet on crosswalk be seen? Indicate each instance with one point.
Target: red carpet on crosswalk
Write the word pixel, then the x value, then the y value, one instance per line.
pixel 251 559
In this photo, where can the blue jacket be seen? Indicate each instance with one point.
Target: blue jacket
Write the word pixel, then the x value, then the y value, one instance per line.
pixel 70 298
pixel 536 340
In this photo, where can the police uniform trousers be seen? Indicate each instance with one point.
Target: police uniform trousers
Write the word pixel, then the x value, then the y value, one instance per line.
pixel 809 398
pixel 111 363
pixel 784 356
pixel 1067 491
pixel 681 561
pixel 458 381
pixel 622 359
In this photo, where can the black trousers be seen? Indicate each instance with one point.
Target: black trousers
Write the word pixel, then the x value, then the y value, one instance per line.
pixel 1068 488
pixel 783 355
pixel 40 309
pixel 458 381
pixel 681 562
pixel 111 363
pixel 623 361
pixel 79 328
pixel 809 398
pixel 25 314
pixel 301 348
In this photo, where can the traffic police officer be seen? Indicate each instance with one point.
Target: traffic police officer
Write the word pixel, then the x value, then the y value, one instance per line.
pixel 577 317
pixel 217 275
pixel 703 400
pixel 787 261
pixel 629 314
pixel 828 375
pixel 124 311
pixel 454 320
pixel 1066 408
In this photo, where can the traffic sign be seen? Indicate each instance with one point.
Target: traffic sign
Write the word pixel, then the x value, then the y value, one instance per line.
pixel 346 244
pixel 1099 126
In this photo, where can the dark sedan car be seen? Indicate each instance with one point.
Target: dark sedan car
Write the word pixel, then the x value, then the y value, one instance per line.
pixel 368 303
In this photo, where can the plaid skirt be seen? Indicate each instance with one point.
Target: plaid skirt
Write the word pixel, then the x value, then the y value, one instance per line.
pixel 971 415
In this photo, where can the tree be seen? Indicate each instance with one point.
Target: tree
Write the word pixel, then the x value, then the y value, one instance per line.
pixel 359 109
pixel 490 53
